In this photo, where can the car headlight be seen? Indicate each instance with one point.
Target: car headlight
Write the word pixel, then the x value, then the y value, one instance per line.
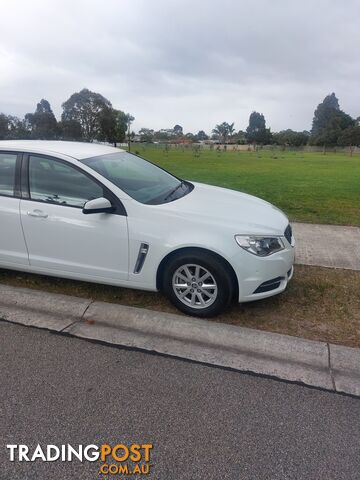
pixel 260 245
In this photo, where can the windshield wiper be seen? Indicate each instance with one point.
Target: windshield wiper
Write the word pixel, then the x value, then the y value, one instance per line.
pixel 182 183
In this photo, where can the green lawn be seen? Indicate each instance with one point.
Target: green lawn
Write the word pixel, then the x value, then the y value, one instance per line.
pixel 309 187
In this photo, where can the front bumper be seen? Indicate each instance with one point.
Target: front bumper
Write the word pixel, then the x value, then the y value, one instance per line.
pixel 262 277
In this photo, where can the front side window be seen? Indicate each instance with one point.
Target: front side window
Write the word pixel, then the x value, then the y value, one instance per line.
pixel 140 179
pixel 7 173
pixel 56 182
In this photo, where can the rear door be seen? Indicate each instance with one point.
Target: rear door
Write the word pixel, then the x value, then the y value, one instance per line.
pixel 60 238
pixel 13 251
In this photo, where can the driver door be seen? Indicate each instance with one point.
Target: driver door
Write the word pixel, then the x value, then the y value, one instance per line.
pixel 59 237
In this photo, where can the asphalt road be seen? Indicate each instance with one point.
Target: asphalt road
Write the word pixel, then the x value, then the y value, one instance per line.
pixel 204 422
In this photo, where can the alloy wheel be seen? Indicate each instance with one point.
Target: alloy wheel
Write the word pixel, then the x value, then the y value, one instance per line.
pixel 195 286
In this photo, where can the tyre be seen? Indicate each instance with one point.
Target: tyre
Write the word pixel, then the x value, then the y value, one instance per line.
pixel 198 283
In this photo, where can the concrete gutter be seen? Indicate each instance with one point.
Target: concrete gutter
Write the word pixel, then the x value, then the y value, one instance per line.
pixel 318 364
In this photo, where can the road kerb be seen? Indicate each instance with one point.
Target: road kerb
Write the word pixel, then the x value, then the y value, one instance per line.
pixel 345 366
pixel 244 349
pixel 319 364
pixel 40 309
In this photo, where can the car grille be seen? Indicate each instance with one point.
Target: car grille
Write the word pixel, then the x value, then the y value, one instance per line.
pixel 288 233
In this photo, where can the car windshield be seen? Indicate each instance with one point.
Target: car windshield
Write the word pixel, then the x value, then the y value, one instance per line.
pixel 140 179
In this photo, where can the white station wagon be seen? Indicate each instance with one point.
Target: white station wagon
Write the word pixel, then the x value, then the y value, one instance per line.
pixel 96 213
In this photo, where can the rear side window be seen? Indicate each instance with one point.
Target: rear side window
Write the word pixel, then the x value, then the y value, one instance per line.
pixel 55 182
pixel 7 173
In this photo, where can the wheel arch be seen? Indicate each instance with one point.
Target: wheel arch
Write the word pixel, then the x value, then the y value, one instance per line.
pixel 194 250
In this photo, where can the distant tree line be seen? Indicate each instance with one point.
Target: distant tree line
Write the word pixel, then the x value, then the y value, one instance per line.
pixel 331 127
pixel 88 116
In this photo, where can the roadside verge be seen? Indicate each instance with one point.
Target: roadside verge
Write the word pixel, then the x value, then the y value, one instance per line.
pixel 319 364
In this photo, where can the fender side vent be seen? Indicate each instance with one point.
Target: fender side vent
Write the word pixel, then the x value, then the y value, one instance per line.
pixel 143 251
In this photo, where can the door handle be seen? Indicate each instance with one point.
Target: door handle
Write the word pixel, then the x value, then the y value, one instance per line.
pixel 38 214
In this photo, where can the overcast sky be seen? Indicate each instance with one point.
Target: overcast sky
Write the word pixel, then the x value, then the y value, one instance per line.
pixel 192 62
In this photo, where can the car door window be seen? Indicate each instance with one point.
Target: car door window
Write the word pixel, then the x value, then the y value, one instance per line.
pixel 53 181
pixel 7 173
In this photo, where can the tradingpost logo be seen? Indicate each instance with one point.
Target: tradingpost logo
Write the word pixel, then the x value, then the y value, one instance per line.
pixel 119 459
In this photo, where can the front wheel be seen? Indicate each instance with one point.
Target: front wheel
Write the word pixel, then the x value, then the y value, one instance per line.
pixel 199 284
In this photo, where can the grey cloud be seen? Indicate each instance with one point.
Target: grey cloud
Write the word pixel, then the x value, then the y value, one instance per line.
pixel 194 63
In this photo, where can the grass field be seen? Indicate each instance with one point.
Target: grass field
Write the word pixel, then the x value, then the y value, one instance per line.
pixel 309 187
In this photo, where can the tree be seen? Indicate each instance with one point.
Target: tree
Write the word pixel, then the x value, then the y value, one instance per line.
pixel 190 137
pixel 17 128
pixel 4 126
pixel 223 131
pixel 70 130
pixel 220 131
pixel 201 136
pixel 42 124
pixel 350 137
pixel 43 107
pixel 113 125
pixel 107 123
pixel 128 120
pixel 256 131
pixel 290 138
pixel 329 122
pixel 163 135
pixel 178 130
pixel 85 107
pixel 240 137
pixel 12 128
pixel 146 135
pixel 122 120
pixel 231 129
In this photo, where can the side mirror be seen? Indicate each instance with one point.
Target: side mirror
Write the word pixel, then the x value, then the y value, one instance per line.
pixel 98 205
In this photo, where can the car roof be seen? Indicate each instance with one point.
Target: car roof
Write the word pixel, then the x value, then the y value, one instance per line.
pixel 78 150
